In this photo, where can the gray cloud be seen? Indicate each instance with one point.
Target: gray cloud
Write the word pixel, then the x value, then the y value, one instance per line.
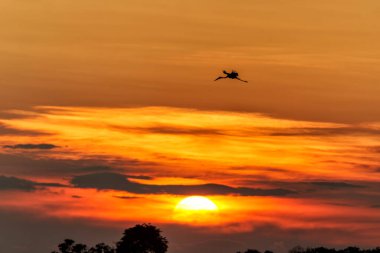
pixel 260 131
pixel 356 193
pixel 310 185
pixel 50 184
pixel 25 165
pixel 114 181
pixel 32 146
pixel 5 130
pixel 14 183
pixel 322 131
pixel 107 169
pixel 96 168
pixel 125 197
pixel 170 129
pixel 336 185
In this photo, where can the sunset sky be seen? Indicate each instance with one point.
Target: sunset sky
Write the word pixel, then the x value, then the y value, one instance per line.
pixel 110 116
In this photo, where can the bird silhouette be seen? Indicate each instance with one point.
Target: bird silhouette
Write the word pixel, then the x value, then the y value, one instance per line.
pixel 232 75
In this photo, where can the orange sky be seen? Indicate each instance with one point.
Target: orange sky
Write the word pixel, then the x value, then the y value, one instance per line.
pixel 304 60
pixel 116 166
pixel 123 93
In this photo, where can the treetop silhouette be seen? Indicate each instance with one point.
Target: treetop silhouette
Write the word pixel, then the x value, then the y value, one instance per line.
pixel 144 238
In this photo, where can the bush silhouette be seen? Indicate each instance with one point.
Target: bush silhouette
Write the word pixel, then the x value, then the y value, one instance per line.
pixel 299 249
pixel 144 238
pixel 69 246
pixel 101 248
pixel 250 251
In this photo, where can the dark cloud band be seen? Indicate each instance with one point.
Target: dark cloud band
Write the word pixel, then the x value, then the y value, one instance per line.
pixel 14 183
pixel 114 181
pixel 32 146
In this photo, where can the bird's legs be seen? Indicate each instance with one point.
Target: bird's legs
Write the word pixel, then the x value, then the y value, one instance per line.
pixel 241 80
pixel 220 77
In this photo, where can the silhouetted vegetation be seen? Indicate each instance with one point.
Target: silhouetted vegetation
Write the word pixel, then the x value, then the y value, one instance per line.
pixel 332 250
pixel 299 249
pixel 250 251
pixel 144 238
pixel 102 248
pixel 69 246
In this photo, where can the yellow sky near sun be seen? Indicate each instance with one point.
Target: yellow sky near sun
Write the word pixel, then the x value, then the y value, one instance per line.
pixel 234 214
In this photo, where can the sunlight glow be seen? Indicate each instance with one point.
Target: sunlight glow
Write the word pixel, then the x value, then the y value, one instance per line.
pixel 196 203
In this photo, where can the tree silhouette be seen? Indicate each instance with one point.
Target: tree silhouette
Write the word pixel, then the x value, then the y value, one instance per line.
pixel 66 246
pixel 254 251
pixel 101 248
pixel 297 249
pixel 351 250
pixel 79 248
pixel 69 246
pixel 144 238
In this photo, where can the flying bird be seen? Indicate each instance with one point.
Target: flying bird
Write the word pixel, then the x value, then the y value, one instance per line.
pixel 232 75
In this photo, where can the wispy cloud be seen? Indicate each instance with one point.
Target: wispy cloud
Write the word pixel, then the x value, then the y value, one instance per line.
pixel 6 130
pixel 170 129
pixel 45 166
pixel 125 197
pixel 14 183
pixel 32 146
pixel 336 185
pixel 323 131
pixel 114 181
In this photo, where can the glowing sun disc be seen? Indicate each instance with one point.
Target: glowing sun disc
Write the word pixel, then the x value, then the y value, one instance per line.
pixel 196 203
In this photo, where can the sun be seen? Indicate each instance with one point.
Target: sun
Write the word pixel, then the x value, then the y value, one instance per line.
pixel 196 210
pixel 196 203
